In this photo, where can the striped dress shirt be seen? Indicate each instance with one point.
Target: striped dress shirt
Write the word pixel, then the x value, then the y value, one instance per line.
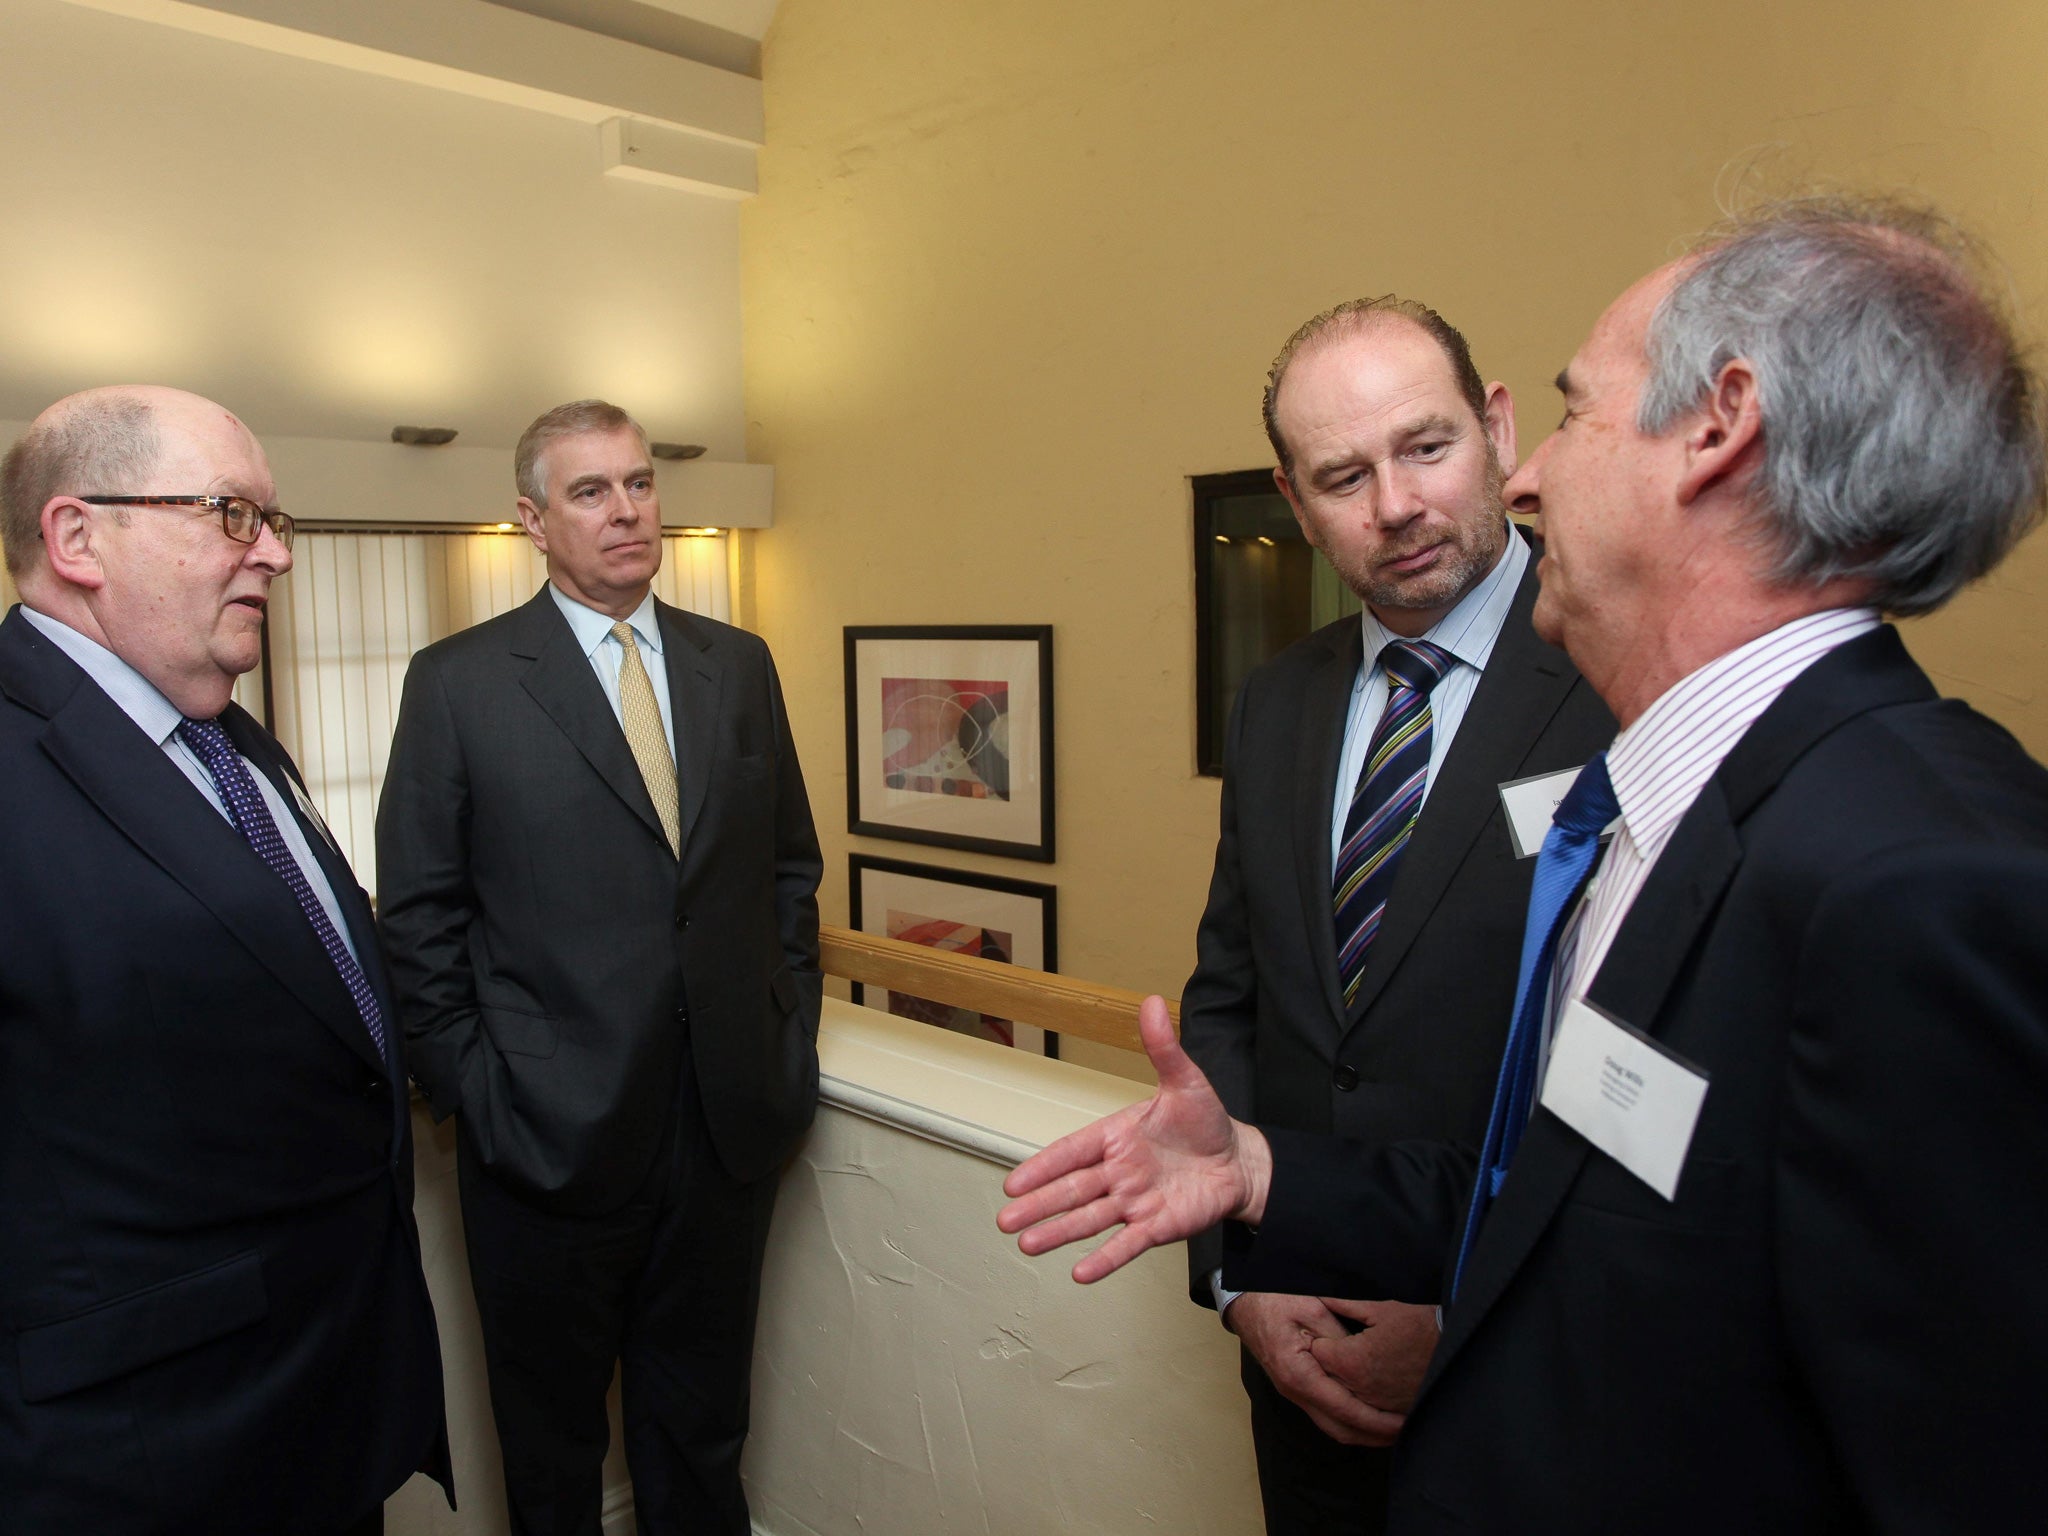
pixel 1660 764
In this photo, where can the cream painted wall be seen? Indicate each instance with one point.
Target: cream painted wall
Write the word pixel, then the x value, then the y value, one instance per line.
pixel 1016 272
pixel 332 253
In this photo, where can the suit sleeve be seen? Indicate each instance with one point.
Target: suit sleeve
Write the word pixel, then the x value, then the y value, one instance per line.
pixel 798 865
pixel 1219 1005
pixel 1911 1186
pixel 1339 1222
pixel 426 900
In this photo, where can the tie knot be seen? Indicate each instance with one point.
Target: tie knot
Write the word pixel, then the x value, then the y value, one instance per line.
pixel 1590 804
pixel 622 632
pixel 1416 664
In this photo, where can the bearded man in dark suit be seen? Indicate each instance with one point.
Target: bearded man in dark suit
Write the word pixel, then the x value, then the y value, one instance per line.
pixel 1357 958
pixel 214 1311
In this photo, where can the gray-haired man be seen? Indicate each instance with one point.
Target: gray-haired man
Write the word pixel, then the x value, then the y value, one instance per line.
pixel 1754 1239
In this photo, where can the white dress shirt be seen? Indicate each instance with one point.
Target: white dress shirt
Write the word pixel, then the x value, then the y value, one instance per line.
pixel 1468 633
pixel 158 719
pixel 594 635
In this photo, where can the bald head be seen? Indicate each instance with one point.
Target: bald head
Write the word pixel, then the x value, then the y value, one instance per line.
pixel 107 441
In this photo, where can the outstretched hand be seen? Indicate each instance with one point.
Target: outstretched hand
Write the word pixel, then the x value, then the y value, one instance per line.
pixel 1162 1170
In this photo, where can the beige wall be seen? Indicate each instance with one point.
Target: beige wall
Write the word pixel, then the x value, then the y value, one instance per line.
pixel 1016 271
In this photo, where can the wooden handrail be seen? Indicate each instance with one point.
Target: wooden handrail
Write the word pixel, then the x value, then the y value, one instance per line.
pixel 1064 1004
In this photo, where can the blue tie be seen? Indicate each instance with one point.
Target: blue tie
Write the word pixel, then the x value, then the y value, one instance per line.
pixel 1569 851
pixel 251 818
pixel 1386 802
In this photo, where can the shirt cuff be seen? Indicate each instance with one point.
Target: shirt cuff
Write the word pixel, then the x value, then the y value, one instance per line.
pixel 1224 1297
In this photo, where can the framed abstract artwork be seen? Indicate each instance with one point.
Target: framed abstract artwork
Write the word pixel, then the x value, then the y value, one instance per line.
pixel 1014 921
pixel 949 736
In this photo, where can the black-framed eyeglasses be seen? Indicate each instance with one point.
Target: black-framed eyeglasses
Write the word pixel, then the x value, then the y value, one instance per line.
pixel 240 518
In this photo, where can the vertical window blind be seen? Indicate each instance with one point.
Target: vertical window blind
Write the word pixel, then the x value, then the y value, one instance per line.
pixel 359 603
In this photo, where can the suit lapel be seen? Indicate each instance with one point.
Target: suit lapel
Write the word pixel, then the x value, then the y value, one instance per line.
pixel 1524 684
pixel 136 787
pixel 1665 925
pixel 1325 702
pixel 562 681
pixel 694 687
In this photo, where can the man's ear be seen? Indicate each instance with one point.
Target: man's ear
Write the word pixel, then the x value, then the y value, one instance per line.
pixel 535 523
pixel 68 529
pixel 1724 441
pixel 1499 422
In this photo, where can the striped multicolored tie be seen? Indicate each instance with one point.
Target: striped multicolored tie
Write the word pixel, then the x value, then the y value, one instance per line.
pixel 1570 850
pixel 251 818
pixel 1384 807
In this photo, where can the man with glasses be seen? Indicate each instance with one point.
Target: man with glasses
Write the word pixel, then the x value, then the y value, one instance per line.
pixel 215 1314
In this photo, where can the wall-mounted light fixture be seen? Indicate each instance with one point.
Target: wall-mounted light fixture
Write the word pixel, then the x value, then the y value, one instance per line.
pixel 423 437
pixel 676 450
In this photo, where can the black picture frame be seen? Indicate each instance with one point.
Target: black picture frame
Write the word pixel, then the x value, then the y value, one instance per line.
pixel 1028 898
pixel 986 783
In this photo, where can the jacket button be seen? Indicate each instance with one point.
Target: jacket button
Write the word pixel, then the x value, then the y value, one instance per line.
pixel 682 920
pixel 373 1088
pixel 1346 1078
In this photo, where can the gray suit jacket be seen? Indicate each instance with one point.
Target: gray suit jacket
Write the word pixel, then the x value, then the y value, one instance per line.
pixel 551 956
pixel 1417 1051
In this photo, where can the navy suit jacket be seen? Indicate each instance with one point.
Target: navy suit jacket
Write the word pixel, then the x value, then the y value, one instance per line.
pixel 1837 1325
pixel 213 1310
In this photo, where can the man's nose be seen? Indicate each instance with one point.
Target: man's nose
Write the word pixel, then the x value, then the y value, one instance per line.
pixel 1400 500
pixel 269 552
pixel 1521 493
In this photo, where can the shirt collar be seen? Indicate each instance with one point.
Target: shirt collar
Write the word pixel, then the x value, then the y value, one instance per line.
pixel 1663 760
pixel 1469 630
pixel 156 716
pixel 593 628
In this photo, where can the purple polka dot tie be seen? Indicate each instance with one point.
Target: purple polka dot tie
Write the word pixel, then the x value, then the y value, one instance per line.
pixel 252 819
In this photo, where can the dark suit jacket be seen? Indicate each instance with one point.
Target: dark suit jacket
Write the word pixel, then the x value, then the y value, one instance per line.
pixel 552 957
pixel 1263 1014
pixel 1837 1325
pixel 210 1282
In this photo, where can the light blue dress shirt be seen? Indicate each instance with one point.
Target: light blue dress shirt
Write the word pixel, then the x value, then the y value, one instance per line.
pixel 158 719
pixel 594 634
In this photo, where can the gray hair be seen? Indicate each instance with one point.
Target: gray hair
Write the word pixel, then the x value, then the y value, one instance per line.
pixel 529 470
pixel 1903 433
pixel 105 444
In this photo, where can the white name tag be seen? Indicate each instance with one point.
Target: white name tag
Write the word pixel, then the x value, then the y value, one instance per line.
pixel 1624 1094
pixel 1530 803
pixel 312 812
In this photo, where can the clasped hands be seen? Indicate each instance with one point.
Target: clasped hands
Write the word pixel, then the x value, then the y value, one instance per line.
pixel 1176 1165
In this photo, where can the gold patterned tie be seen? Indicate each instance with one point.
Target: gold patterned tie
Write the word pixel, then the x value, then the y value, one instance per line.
pixel 642 718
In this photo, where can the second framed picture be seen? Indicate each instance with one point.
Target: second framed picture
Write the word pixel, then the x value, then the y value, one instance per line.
pixel 949 736
pixel 1015 921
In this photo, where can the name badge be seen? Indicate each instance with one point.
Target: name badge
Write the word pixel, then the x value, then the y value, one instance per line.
pixel 1530 803
pixel 1627 1095
pixel 312 812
